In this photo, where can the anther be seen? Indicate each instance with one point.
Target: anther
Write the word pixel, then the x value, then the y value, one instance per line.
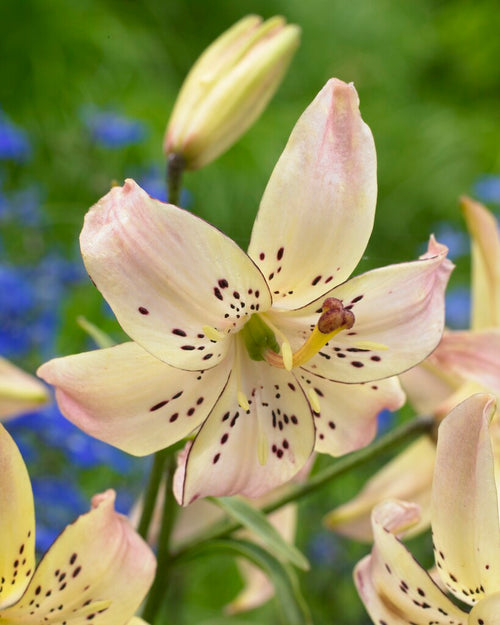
pixel 287 355
pixel 242 400
pixel 314 400
pixel 334 316
pixel 213 334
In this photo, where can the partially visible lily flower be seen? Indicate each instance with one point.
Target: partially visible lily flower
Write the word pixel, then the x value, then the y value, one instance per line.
pixel 229 87
pixel 98 568
pixel 257 353
pixel 465 528
pixel 19 391
pixel 465 362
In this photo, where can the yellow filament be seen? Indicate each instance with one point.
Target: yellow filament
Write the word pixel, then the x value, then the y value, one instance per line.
pixel 262 446
pixel 287 355
pixel 213 334
pixel 314 343
pixel 314 399
pixel 371 345
pixel 243 400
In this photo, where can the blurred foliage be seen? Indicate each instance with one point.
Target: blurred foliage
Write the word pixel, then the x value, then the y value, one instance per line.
pixel 429 82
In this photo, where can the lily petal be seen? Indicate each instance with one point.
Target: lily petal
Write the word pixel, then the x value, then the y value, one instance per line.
pixel 483 228
pixel 98 566
pixel 472 355
pixel 167 275
pixel 464 502
pixel 17 523
pixel 399 320
pixel 393 586
pixel 249 452
pixel 19 392
pixel 397 479
pixel 348 416
pixel 127 398
pixel 328 166
pixel 486 611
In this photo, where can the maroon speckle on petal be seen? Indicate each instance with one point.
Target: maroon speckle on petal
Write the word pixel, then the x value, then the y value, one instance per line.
pixel 143 311
pixel 316 280
pixel 179 332
pixel 280 253
pixel 217 293
pixel 223 283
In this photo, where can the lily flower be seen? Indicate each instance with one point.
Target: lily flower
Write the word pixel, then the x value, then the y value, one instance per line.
pixel 228 88
pixel 465 528
pixel 19 391
pixel 255 353
pixel 98 568
pixel 465 362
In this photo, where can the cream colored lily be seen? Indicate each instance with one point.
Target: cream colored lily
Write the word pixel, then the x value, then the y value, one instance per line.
pixel 465 529
pixel 229 87
pixel 255 353
pixel 19 391
pixel 97 570
pixel 464 363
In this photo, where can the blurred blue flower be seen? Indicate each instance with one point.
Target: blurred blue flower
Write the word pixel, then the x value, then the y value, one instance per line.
pixel 458 303
pixel 385 421
pixel 14 143
pixel 323 549
pixel 487 189
pixel 457 241
pixel 112 130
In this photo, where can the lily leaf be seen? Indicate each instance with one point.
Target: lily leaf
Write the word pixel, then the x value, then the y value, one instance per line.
pixel 292 606
pixel 257 522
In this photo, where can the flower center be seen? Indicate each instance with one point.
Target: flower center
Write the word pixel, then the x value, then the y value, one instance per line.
pixel 260 336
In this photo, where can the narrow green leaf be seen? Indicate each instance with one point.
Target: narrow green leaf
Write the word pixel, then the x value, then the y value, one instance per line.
pixel 100 338
pixel 292 606
pixel 257 522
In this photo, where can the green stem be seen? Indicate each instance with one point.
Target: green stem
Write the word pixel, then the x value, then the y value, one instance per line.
pixel 406 432
pixel 160 585
pixel 175 169
pixel 152 492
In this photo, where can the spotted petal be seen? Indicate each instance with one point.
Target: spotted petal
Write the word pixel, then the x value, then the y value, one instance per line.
pixel 168 274
pixel 397 479
pixel 317 212
pixel 98 570
pixel 249 452
pixel 472 355
pixel 17 523
pixel 399 320
pixel 464 502
pixel 126 397
pixel 486 611
pixel 19 392
pixel 347 419
pixel 391 584
pixel 483 228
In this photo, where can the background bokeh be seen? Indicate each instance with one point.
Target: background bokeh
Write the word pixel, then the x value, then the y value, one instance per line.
pixel 86 88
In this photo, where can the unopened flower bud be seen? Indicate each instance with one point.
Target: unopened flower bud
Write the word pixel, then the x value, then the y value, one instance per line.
pixel 228 87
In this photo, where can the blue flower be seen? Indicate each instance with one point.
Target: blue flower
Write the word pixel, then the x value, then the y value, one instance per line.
pixel 457 241
pixel 14 143
pixel 153 181
pixel 487 189
pixel 112 130
pixel 458 303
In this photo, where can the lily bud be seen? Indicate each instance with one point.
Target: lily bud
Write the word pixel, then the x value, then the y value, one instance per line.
pixel 228 87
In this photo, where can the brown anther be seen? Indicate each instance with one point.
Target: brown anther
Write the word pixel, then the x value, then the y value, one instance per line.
pixel 334 316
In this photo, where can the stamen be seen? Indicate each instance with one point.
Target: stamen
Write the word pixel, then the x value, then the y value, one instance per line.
pixel 213 334
pixel 287 355
pixel 371 345
pixel 262 445
pixel 242 400
pixel 314 400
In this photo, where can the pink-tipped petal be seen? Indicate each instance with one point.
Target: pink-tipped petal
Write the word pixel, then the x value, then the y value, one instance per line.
pixel 393 586
pixel 398 479
pixel 348 417
pixel 249 452
pixel 316 215
pixel 17 523
pixel 98 566
pixel 19 391
pixel 168 274
pixel 473 355
pixel 483 228
pixel 399 320
pixel 464 502
pixel 127 398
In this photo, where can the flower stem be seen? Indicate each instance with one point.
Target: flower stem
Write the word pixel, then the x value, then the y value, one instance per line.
pixel 160 585
pixel 405 433
pixel 175 169
pixel 152 492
